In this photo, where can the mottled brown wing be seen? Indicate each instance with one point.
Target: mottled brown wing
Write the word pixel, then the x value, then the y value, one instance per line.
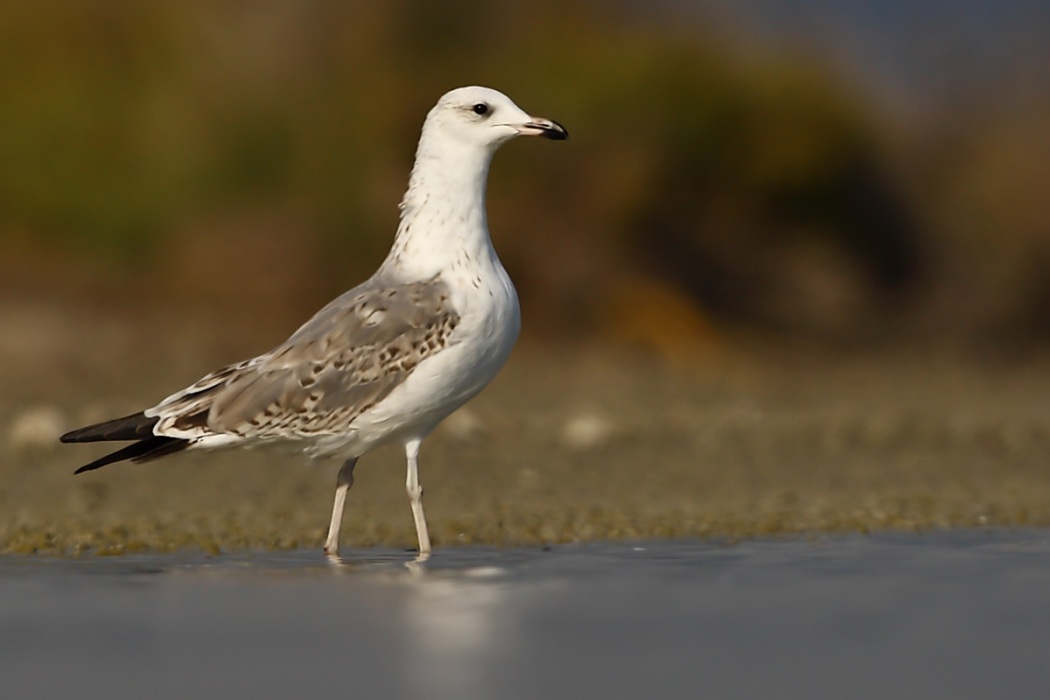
pixel 347 358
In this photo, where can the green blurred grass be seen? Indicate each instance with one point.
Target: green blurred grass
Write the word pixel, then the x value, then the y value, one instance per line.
pixel 719 172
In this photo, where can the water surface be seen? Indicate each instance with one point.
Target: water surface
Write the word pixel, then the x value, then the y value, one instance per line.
pixel 954 615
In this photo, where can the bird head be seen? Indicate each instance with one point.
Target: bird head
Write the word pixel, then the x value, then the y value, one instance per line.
pixel 486 118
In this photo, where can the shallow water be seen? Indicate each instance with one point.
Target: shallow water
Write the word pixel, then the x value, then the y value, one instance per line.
pixel 957 615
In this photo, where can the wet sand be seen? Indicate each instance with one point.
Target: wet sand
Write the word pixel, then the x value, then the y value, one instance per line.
pixel 568 445
pixel 951 615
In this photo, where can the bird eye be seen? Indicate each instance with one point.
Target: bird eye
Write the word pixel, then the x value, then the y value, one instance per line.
pixel 481 108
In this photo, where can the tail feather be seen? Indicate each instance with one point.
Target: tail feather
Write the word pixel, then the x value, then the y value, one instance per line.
pixel 137 427
pixel 141 451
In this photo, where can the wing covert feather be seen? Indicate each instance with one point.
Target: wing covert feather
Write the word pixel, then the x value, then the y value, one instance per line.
pixel 344 360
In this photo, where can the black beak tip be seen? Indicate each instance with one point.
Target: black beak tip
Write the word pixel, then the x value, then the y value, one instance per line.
pixel 556 132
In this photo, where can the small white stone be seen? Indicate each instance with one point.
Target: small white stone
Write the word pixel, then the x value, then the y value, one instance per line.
pixel 586 431
pixel 36 428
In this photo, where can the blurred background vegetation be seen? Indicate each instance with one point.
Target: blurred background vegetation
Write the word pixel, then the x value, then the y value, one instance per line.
pixel 768 171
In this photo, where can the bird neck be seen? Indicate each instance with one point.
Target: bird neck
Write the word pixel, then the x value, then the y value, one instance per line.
pixel 443 221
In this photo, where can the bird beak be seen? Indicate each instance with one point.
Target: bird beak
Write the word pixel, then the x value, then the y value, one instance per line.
pixel 547 128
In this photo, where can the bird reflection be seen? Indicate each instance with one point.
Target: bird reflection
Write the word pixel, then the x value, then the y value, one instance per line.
pixel 455 627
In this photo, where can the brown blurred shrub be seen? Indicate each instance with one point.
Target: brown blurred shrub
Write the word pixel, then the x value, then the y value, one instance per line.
pixel 156 139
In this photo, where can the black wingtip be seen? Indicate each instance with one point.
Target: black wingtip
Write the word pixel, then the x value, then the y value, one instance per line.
pixel 137 426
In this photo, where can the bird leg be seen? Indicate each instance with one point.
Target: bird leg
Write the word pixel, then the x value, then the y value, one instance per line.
pixel 343 482
pixel 415 496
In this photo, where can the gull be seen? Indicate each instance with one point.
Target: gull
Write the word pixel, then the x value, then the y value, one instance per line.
pixel 388 360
